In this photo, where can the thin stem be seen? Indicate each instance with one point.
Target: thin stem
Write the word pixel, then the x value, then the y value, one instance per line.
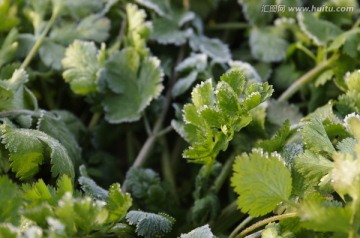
pixel 14 113
pixel 40 40
pixel 306 51
pixel 164 131
pixel 241 226
pixel 265 222
pixel 223 174
pixel 94 120
pixel 167 170
pixel 186 4
pixel 354 226
pixel 356 25
pixel 306 78
pixel 145 150
pixel 147 125
pixel 122 31
pixel 228 26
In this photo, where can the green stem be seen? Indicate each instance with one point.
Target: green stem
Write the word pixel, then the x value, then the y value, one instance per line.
pixel 168 171
pixel 265 222
pixel 306 78
pixel 354 226
pixel 223 174
pixel 356 25
pixel 40 40
pixel 164 131
pixel 15 113
pixel 145 150
pixel 186 4
pixel 241 226
pixel 228 26
pixel 306 51
pixel 94 120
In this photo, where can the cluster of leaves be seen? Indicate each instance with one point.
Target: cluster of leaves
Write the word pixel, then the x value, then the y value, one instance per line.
pixel 87 82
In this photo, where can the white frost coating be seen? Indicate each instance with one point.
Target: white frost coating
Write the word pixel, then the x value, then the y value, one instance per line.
pixel 349 117
pixel 196 88
pixel 300 17
pixel 198 61
pixel 200 232
pixel 249 72
pixel 284 20
pixel 252 94
pixel 55 224
pixel 151 5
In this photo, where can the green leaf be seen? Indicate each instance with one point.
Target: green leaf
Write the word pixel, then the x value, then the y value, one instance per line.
pixel 80 215
pixel 10 201
pixel 138 29
pixel 64 185
pixel 161 7
pixel 167 30
pixel 183 84
pixel 200 232
pixel 38 193
pixel 82 8
pixel 51 54
pixel 285 75
pixel 320 31
pixel 127 64
pixel 9 47
pixel 13 93
pixel 273 230
pixel 137 89
pixel 324 77
pixel 203 94
pixel 346 146
pixel 236 80
pixel 93 28
pixel 146 188
pixel 278 140
pixel 253 11
pixel 279 112
pixel 227 100
pixel 258 187
pixel 345 176
pixel 8 22
pixel 118 203
pixel 318 217
pixel 315 137
pixel 267 44
pixel 9 231
pixel 349 42
pixel 82 67
pixel 27 151
pixel 90 187
pixel 214 48
pixel 90 28
pixel 207 207
pixel 196 62
pixel 313 166
pixel 214 115
pixel 352 81
pixel 54 125
pixel 245 69
pixel 150 224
